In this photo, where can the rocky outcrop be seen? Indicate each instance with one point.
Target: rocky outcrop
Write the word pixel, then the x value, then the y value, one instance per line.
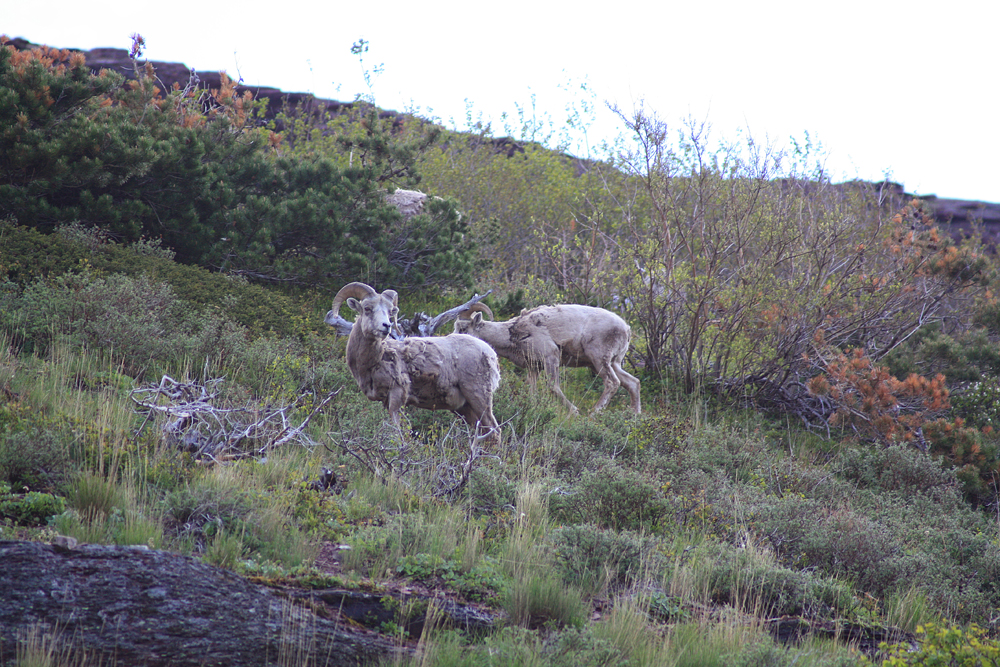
pixel 960 216
pixel 170 73
pixel 139 606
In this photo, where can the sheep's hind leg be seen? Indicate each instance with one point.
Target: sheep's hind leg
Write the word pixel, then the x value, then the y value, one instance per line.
pixel 553 372
pixel 611 384
pixel 631 384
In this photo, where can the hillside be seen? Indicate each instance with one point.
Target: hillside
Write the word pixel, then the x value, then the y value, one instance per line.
pixel 812 479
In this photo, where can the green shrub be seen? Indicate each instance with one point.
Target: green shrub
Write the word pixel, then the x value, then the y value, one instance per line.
pixel 591 558
pixel 900 468
pixel 524 412
pixel 614 498
pixel 839 541
pixel 962 356
pixel 609 434
pixel 198 512
pixel 756 584
pixel 979 404
pixel 35 450
pixel 28 256
pixel 941 646
pixel 481 582
pixel 29 509
pixel 318 513
pixel 490 489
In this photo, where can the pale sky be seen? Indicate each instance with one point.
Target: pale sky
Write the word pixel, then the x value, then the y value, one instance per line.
pixel 908 90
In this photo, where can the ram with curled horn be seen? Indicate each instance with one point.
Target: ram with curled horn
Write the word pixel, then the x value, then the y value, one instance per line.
pixel 455 372
pixel 547 337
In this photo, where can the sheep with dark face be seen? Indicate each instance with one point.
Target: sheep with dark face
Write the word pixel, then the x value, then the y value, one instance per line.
pixel 456 372
pixel 547 337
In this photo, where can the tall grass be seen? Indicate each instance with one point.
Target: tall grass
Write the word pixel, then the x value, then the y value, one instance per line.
pixel 536 594
pixel 9 362
pixel 438 531
pixel 41 646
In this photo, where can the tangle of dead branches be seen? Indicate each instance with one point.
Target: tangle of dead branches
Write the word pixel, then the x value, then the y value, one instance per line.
pixel 193 418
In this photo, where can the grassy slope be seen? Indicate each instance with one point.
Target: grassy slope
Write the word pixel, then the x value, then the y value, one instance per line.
pixel 672 538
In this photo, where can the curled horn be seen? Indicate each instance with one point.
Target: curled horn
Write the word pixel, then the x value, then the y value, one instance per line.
pixel 392 294
pixel 357 290
pixel 476 307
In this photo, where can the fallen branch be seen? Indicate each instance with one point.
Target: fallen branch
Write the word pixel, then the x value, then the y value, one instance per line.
pixel 192 420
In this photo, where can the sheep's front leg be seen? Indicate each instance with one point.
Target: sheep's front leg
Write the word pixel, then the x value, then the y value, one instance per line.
pixel 482 422
pixel 552 370
pixel 395 403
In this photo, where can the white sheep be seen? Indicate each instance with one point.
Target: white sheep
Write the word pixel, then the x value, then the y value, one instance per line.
pixel 456 372
pixel 547 337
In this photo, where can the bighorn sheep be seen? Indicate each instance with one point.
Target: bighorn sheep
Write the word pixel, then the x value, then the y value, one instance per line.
pixel 455 372
pixel 547 337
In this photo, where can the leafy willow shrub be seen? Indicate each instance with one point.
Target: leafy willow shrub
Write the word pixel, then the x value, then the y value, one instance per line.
pixel 660 434
pixel 29 509
pixel 491 489
pixel 745 579
pixel 569 459
pixel 609 434
pixel 767 653
pixel 614 498
pixel 979 404
pixel 139 321
pixel 270 366
pixel 27 255
pixel 591 557
pixel 731 450
pixel 900 468
pixel 945 646
pixel 194 514
pixel 793 476
pixel 838 542
pixel 170 468
pixel 35 450
pixel 959 569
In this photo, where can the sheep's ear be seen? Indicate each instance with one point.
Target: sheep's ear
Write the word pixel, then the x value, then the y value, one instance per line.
pixel 392 296
pixel 354 304
pixel 477 317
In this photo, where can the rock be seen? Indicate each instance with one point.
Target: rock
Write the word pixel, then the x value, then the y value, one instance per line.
pixel 141 606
